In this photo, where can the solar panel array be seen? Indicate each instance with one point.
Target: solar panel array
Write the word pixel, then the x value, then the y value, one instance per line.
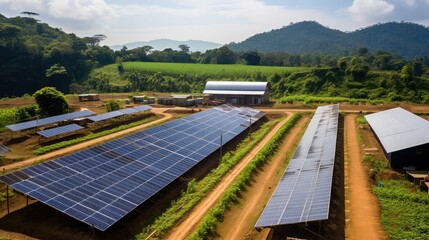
pixel 119 113
pixel 100 185
pixel 49 120
pixel 59 130
pixel 3 150
pixel 303 193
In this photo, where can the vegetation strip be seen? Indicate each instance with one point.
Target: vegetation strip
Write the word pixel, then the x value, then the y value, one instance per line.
pixel 215 215
pixel 196 191
pixel 56 146
pixel 404 212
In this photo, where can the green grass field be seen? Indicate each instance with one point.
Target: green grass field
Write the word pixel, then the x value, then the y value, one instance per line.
pixel 212 70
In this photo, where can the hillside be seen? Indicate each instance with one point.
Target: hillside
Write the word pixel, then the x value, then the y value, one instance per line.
pixel 406 39
pixel 161 44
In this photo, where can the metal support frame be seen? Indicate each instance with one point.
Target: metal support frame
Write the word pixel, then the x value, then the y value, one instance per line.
pixel 7 198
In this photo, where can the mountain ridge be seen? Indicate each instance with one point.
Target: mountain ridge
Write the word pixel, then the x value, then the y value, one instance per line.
pixel 406 39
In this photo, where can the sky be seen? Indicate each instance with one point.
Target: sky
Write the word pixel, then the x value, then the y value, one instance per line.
pixel 220 21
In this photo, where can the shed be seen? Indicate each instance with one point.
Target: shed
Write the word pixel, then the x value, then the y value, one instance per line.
pixel 403 136
pixel 180 99
pixel 236 92
pixel 89 97
pixel 138 99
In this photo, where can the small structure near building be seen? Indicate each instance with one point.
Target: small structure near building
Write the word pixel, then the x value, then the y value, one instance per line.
pixel 165 100
pixel 89 97
pixel 181 100
pixel 403 136
pixel 235 92
pixel 138 99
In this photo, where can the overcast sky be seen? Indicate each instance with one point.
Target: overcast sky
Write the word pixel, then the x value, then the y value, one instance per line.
pixel 221 21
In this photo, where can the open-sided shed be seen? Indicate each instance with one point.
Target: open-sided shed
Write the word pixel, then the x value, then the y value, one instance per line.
pixel 403 136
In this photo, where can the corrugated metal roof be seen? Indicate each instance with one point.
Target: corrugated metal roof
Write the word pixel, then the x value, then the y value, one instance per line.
pixel 236 87
pixel 399 129
pixel 234 92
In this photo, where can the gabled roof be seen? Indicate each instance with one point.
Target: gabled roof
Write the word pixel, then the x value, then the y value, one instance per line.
pixel 236 88
pixel 398 129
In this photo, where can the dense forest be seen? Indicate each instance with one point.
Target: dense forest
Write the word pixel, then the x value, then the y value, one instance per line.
pixel 34 55
pixel 408 40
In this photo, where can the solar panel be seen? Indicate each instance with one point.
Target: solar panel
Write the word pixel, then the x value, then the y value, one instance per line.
pixel 59 130
pixel 49 120
pixel 3 150
pixel 119 113
pixel 105 116
pixel 102 184
pixel 128 110
pixel 304 191
pixel 142 108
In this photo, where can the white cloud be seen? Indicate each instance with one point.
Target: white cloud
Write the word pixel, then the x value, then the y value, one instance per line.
pixel 372 11
pixel 80 10
pixel 23 5
pixel 369 10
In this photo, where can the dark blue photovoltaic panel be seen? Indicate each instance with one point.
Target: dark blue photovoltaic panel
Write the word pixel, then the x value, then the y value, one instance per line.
pixel 105 116
pixel 102 184
pixel 49 120
pixel 3 150
pixel 304 191
pixel 119 113
pixel 128 111
pixel 59 130
pixel 142 108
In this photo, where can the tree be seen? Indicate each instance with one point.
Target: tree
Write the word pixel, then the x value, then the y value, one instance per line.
pixel 224 55
pixel 51 102
pixel 94 40
pixel 251 58
pixel 30 13
pixel 112 105
pixel 184 48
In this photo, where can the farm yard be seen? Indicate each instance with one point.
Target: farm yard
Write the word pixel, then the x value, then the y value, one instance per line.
pixel 358 210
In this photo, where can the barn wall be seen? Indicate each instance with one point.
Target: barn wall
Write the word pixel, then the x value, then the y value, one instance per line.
pixel 416 156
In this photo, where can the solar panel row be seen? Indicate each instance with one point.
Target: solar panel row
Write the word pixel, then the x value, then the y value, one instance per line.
pixel 3 150
pixel 49 120
pixel 100 185
pixel 304 191
pixel 118 113
pixel 59 130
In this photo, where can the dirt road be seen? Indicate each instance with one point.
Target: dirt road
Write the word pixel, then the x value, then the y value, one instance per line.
pixel 189 225
pixel 362 211
pixel 83 145
pixel 244 216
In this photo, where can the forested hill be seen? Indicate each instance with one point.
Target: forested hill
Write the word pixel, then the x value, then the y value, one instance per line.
pixel 34 55
pixel 406 39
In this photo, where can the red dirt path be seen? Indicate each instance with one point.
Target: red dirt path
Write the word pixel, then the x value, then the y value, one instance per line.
pixel 362 210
